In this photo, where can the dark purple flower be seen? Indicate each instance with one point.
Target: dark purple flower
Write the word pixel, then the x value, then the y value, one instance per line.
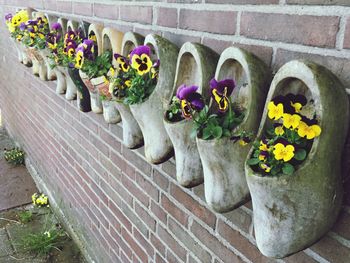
pixel 140 50
pixel 56 26
pixel 183 91
pixel 220 91
pixel 190 100
pixel 122 61
pixel 221 86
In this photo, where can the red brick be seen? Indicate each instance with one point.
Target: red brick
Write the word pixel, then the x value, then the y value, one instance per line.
pixel 147 186
pixel 82 8
pixel 318 2
pixel 346 43
pixel 188 242
pixel 159 259
pixel 240 218
pixel 169 168
pixel 110 140
pixel 138 161
pixel 216 45
pixel 213 244
pixel 240 243
pixel 158 212
pixel 167 17
pixel 331 250
pixel 173 210
pixel 145 216
pixel 171 258
pixel 135 247
pixel 106 11
pixel 140 14
pixel 144 243
pixel 123 245
pixel 209 21
pixel 172 243
pixel 318 31
pixel 299 257
pixel 116 211
pixel 160 180
pixel 158 244
pixel 193 206
pixel 135 191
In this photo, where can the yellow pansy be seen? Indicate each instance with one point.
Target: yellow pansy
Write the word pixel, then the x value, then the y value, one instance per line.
pixel 275 111
pixel 310 132
pixel 279 130
pixel 79 59
pixel 142 64
pixel 291 120
pixel 263 146
pixel 285 153
pixel 297 106
pixel 221 100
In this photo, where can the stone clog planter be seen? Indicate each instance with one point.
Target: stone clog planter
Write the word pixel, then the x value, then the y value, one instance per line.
pixel 96 105
pixel 149 114
pixel 222 159
pixel 291 212
pixel 83 96
pixel 195 66
pixel 39 66
pixel 111 41
pixel 132 135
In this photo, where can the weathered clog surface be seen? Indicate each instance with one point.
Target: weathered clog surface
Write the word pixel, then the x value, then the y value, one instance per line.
pixel 223 160
pixel 195 66
pixel 292 212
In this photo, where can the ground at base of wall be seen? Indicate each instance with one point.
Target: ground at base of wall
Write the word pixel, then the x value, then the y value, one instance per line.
pixel 12 232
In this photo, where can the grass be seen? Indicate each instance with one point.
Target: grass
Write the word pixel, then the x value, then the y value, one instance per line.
pixel 25 216
pixel 42 242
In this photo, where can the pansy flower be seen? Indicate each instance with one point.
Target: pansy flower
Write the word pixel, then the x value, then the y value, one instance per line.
pixel 291 120
pixel 140 59
pixel 263 155
pixel 70 48
pixel 309 128
pixel 275 111
pixel 56 26
pixel 244 140
pixel 296 101
pixel 220 91
pixel 123 62
pixel 278 129
pixel 265 167
pixel 20 17
pixel 264 145
pixel 283 152
pixel 189 100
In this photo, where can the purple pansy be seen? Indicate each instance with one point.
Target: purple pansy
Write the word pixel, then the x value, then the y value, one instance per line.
pixel 140 50
pixel 56 26
pixel 190 100
pixel 22 26
pixel 220 86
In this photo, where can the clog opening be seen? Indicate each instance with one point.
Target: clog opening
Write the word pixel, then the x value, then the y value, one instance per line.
pixel 232 69
pixel 107 45
pixel 128 47
pixel 188 72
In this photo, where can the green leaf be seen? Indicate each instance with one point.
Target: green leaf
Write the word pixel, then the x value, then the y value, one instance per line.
pixel 288 169
pixel 300 155
pixel 206 134
pixel 216 132
pixel 253 161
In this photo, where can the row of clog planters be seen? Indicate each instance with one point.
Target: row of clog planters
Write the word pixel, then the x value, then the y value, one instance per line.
pixel 166 99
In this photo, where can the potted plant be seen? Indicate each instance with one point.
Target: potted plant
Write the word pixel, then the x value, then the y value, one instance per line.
pixel 120 81
pixel 195 66
pixel 149 94
pixel 294 168
pixel 94 34
pixel 34 32
pixel 13 23
pixel 224 128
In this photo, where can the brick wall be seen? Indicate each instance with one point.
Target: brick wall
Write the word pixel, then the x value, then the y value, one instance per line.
pixel 125 209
